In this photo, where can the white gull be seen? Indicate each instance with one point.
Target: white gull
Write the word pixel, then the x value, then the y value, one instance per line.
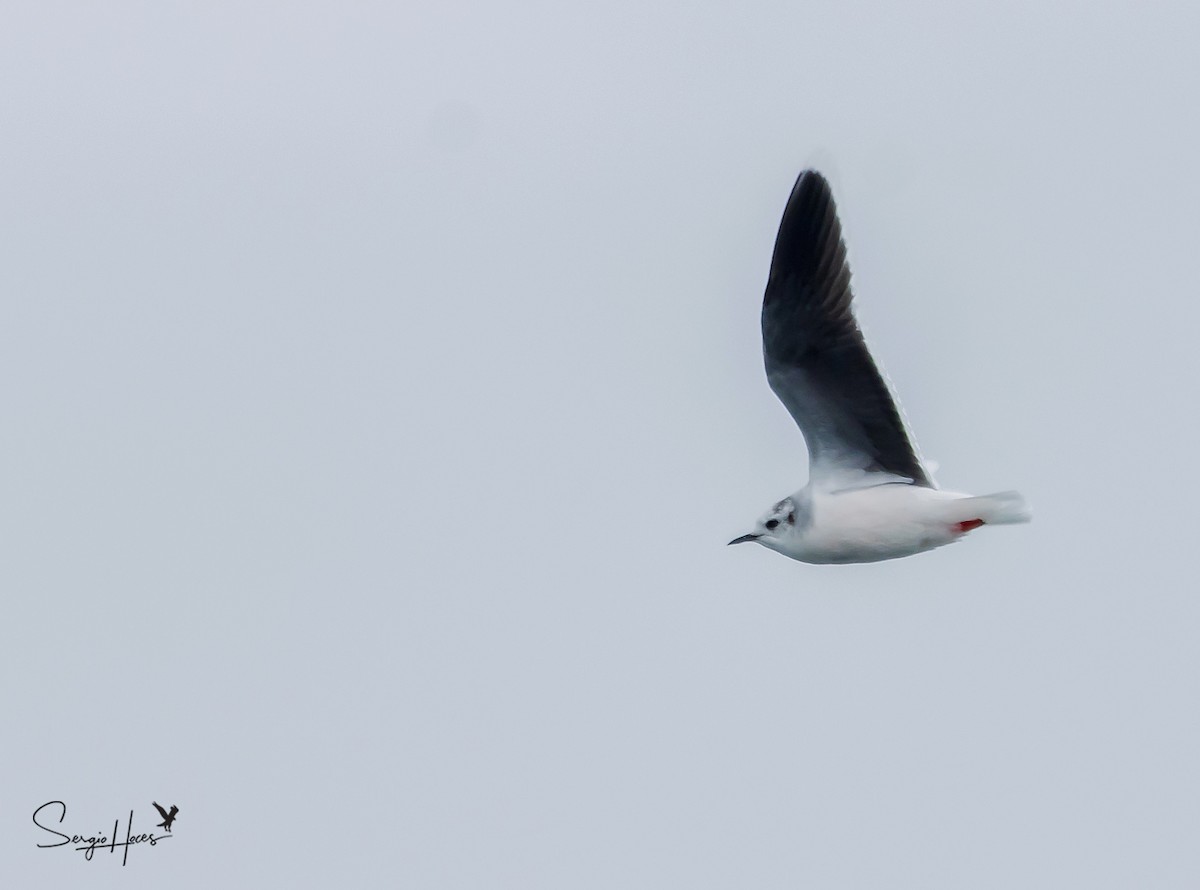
pixel 869 497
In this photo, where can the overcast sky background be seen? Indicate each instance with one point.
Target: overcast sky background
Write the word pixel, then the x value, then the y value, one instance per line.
pixel 381 384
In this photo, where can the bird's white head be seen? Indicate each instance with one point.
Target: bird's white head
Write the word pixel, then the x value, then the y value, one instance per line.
pixel 777 526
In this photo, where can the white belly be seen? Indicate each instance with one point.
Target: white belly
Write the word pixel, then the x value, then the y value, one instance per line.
pixel 870 524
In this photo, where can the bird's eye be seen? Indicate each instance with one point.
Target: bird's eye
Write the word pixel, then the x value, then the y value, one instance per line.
pixel 772 523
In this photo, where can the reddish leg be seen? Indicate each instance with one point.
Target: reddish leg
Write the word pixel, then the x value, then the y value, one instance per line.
pixel 964 527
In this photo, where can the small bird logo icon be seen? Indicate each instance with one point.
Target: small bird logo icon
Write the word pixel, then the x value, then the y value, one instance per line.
pixel 168 818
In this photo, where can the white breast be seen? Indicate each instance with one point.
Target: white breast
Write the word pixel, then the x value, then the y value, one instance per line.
pixel 870 524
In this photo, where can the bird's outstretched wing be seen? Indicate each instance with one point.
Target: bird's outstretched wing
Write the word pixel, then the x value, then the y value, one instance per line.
pixel 163 812
pixel 817 361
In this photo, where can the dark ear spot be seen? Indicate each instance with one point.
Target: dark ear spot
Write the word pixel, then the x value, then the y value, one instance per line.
pixel 792 518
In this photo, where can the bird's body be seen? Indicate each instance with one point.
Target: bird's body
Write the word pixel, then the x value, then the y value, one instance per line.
pixel 883 521
pixel 869 496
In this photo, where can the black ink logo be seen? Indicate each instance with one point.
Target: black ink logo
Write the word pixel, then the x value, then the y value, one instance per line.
pixel 168 818
pixel 98 840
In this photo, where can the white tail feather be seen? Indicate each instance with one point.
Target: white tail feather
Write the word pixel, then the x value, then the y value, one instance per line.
pixel 1002 508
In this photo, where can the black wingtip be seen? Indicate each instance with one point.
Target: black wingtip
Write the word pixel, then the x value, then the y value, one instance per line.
pixel 810 238
pixel 811 178
pixel 812 188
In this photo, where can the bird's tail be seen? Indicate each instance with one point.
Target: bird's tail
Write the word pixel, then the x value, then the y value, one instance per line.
pixel 1002 508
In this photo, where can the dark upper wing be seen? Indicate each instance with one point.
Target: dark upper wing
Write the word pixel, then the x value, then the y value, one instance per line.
pixel 817 361
pixel 161 811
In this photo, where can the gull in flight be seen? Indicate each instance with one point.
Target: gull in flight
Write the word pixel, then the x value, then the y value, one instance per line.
pixel 869 497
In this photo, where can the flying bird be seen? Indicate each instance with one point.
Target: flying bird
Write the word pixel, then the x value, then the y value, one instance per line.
pixel 168 818
pixel 869 496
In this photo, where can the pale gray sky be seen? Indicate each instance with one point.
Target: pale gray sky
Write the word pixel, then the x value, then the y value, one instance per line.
pixel 381 383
